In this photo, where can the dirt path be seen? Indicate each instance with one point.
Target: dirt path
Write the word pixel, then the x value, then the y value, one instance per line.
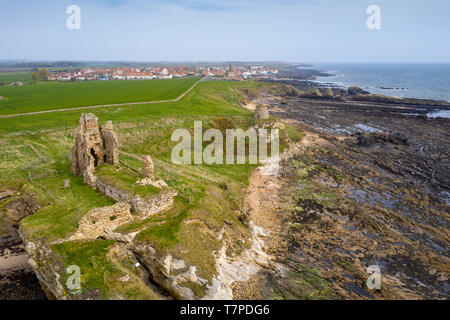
pixel 103 106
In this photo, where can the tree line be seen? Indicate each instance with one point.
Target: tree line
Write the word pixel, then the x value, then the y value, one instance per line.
pixel 40 75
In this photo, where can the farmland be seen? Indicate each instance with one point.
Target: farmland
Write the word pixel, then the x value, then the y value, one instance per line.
pixel 58 95
pixel 9 77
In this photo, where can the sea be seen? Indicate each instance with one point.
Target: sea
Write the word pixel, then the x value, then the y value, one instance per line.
pixel 418 80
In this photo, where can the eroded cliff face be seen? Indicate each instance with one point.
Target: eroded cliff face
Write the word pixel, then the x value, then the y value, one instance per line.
pixel 182 281
pixel 17 279
pixel 175 278
pixel 41 259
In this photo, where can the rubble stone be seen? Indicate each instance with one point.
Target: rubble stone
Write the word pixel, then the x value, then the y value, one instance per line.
pixel 99 222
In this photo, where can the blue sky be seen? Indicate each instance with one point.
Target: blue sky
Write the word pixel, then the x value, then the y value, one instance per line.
pixel 214 30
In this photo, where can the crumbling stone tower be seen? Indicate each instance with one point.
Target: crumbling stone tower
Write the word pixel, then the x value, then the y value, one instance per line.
pixel 93 145
pixel 148 171
pixel 261 112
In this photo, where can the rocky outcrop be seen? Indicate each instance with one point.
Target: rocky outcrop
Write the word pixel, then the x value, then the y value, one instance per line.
pixel 7 194
pixel 170 273
pixel 320 93
pixel 178 278
pixel 261 112
pixel 41 259
pixel 356 90
pixel 93 145
pixel 20 208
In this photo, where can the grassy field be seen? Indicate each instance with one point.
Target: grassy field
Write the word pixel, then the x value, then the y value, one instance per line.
pixel 60 95
pixel 7 78
pixel 34 160
pixel 208 98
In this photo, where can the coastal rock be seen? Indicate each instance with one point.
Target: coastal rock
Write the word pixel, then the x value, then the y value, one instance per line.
pixel 173 277
pixel 41 260
pixel 355 91
pixel 178 279
pixel 442 174
pixel 20 208
pixel 7 194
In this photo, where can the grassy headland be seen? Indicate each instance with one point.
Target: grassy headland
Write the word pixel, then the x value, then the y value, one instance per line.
pixel 34 160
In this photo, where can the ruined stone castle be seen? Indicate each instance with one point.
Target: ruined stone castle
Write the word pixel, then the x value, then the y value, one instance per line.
pixel 94 145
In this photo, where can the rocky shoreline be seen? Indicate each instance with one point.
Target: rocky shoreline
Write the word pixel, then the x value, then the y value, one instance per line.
pixel 369 187
pixel 17 279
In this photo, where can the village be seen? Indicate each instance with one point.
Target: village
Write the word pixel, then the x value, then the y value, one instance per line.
pixel 160 72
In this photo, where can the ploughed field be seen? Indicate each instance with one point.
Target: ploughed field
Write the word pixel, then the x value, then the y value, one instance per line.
pixel 61 95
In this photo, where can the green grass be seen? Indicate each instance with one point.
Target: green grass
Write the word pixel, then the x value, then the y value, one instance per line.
pixel 60 95
pixel 179 206
pixel 10 77
pixel 91 258
pixel 207 99
pixel 101 267
pixel 165 234
pixel 124 179
pixel 61 208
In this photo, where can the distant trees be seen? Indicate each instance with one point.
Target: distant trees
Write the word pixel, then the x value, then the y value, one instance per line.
pixel 43 74
pixel 34 77
pixel 57 64
pixel 39 75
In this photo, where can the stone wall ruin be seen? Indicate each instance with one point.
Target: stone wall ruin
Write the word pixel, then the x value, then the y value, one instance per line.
pixel 94 145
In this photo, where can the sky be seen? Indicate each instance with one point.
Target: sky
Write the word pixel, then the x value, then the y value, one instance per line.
pixel 226 30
